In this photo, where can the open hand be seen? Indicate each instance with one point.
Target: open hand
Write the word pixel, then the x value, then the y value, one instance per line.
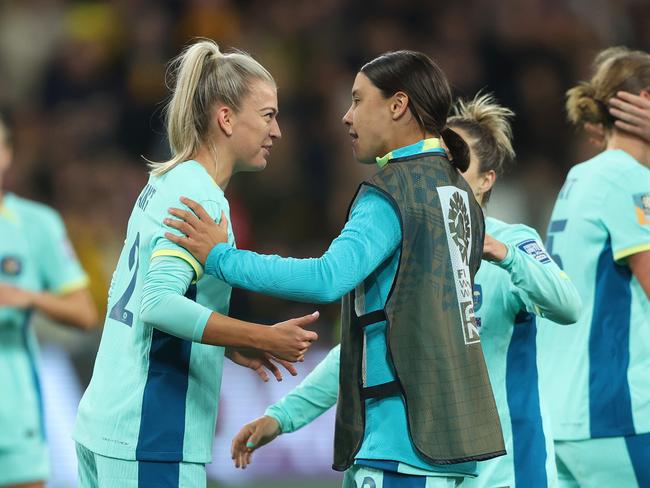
pixel 253 435
pixel 201 232
pixel 259 361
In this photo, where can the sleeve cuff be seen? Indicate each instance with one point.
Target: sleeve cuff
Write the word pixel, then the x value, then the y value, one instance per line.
pixel 185 256
pixel 72 286
pixel 199 326
pixel 212 263
pixel 274 411
pixel 629 251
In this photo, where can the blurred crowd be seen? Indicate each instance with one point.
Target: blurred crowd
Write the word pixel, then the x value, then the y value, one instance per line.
pixel 84 85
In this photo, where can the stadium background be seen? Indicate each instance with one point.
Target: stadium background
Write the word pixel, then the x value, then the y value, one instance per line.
pixel 82 84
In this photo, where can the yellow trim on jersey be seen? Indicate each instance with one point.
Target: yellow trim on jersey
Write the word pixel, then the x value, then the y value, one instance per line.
pixel 75 285
pixel 631 251
pixel 191 260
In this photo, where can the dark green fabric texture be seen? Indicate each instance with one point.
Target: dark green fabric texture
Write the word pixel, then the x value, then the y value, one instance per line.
pixel 452 415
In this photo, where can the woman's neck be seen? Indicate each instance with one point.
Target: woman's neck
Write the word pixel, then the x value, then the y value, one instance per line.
pixel 217 163
pixel 634 146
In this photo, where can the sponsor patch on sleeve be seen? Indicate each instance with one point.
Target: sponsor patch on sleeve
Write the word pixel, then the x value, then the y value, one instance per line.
pixel 642 207
pixel 534 249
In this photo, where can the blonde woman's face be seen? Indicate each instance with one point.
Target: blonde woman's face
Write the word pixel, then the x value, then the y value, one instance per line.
pixel 255 127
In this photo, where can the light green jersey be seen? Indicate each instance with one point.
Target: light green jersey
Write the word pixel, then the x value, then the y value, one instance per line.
pixel 595 374
pixel 153 396
pixel 509 298
pixel 35 254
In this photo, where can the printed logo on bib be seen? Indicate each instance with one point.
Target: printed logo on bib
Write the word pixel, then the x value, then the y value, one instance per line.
pixel 642 207
pixel 455 205
pixel 534 249
pixel 459 225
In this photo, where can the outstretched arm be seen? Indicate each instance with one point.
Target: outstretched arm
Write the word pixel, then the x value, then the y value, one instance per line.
pixel 316 394
pixel 371 235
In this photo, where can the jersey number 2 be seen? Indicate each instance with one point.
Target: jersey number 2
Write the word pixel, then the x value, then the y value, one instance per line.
pixel 119 311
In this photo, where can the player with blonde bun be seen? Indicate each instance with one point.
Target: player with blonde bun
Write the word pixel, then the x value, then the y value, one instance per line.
pixel 595 375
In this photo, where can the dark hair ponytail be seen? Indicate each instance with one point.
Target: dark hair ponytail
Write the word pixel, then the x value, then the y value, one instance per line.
pixel 458 149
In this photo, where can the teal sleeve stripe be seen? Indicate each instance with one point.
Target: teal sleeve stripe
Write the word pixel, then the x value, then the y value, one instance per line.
pixel 371 235
pixel 164 304
pixel 542 286
pixel 316 394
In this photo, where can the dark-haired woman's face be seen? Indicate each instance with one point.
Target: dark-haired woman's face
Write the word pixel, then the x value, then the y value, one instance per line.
pixel 368 120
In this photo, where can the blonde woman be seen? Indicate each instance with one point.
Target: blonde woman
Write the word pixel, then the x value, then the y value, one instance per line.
pixel 595 375
pixel 148 415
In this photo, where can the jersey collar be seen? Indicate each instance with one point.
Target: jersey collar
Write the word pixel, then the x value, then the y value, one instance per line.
pixel 431 145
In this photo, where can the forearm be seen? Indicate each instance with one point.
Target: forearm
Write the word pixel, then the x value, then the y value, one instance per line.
pixel 75 309
pixel 550 290
pixel 221 330
pixel 316 394
pixel 166 308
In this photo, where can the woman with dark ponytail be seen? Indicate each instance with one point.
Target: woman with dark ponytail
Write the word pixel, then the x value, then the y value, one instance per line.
pixel 411 361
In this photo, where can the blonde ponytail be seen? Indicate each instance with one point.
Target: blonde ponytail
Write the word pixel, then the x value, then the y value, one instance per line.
pixel 204 76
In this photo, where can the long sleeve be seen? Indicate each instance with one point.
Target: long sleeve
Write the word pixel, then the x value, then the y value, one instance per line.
pixel 164 304
pixel 371 235
pixel 542 287
pixel 316 394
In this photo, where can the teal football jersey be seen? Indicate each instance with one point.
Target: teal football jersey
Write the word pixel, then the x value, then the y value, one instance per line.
pixel 35 254
pixel 507 320
pixel 595 375
pixel 154 396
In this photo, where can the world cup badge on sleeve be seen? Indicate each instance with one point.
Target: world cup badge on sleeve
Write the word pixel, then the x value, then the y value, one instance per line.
pixel 642 207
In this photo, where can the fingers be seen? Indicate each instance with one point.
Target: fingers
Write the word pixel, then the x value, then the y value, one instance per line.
pixel 188 217
pixel 288 366
pixel 627 115
pixel 262 374
pixel 238 445
pixel 306 320
pixel 631 98
pixel 180 225
pixel 273 369
pixel 181 241
pixel 197 208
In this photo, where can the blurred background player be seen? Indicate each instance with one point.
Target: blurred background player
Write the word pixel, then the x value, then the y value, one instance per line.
pixel 516 282
pixel 149 414
pixel 39 272
pixel 398 119
pixel 595 375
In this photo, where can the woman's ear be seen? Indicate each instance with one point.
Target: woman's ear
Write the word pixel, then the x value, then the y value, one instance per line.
pixel 399 104
pixel 225 119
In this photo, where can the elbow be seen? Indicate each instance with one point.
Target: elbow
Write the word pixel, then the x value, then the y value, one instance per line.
pixel 89 319
pixel 569 314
